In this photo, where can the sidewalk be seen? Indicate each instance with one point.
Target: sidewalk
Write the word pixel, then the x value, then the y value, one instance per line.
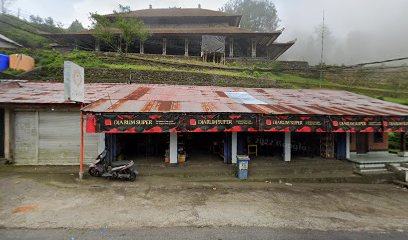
pixel 261 170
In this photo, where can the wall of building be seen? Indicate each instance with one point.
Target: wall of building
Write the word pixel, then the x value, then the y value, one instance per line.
pixel 372 144
pixel 44 137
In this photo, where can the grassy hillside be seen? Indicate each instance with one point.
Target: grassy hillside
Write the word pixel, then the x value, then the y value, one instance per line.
pixel 387 85
pixel 25 33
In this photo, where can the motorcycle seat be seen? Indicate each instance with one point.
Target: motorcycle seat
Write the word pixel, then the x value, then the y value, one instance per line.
pixel 119 163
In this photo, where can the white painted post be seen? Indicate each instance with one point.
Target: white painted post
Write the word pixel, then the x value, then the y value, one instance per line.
pixel 173 148
pixel 234 145
pixel 231 52
pixel 164 46
pixel 287 147
pixel 186 47
pixel 120 45
pixel 253 48
pixel 97 45
pixel 101 142
pixel 141 47
pixel 348 145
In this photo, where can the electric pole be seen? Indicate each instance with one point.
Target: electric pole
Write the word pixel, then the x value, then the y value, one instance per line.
pixel 321 53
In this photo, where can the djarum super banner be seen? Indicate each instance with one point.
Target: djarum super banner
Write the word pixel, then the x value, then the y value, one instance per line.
pixel 230 122
pixel 138 123
pixel 395 124
pixel 292 123
pixel 221 122
pixel 355 124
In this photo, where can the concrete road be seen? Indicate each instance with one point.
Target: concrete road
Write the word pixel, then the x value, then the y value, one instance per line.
pixel 224 233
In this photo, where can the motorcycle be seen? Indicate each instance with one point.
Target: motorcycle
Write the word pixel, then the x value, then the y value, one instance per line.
pixel 102 167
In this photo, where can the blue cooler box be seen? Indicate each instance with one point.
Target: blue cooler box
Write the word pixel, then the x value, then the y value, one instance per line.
pixel 4 62
pixel 242 166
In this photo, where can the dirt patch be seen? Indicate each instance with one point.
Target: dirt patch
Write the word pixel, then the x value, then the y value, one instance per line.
pixel 23 209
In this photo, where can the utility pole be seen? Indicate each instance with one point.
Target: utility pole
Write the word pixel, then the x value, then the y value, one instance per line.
pixel 18 13
pixel 321 53
pixel 3 6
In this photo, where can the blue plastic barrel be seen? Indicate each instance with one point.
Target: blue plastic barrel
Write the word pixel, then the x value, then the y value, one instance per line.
pixel 4 62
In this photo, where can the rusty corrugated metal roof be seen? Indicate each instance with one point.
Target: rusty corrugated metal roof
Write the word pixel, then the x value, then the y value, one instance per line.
pixel 111 97
pixel 19 91
pixel 171 98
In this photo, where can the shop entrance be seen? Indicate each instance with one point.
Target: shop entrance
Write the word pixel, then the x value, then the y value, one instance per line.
pixel 201 147
pixel 138 146
pixel 362 143
pixel 271 145
pixel 154 147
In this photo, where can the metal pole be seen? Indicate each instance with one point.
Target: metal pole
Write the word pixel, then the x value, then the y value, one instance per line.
pixel 81 148
pixel 321 54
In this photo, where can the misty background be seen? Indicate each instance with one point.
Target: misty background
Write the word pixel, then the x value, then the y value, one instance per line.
pixel 356 31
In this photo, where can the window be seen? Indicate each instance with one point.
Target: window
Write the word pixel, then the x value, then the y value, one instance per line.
pixel 378 137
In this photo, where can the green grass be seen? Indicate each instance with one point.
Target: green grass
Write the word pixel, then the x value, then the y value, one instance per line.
pixel 403 101
pixel 255 77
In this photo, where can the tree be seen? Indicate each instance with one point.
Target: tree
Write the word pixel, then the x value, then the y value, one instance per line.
pixel 131 29
pixel 102 28
pixel 76 26
pixel 36 19
pixel 123 9
pixel 49 21
pixel 5 4
pixel 127 29
pixel 260 16
pixel 329 43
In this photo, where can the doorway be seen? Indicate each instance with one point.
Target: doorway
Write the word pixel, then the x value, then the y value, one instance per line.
pixel 362 143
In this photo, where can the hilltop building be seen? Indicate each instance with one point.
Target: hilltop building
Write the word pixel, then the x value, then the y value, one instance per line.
pixel 181 31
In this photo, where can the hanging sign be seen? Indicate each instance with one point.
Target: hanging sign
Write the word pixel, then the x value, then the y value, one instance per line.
pixel 395 124
pixel 138 123
pixel 221 122
pixel 355 124
pixel 74 87
pixel 292 123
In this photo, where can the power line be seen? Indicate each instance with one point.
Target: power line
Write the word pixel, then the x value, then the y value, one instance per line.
pixel 384 61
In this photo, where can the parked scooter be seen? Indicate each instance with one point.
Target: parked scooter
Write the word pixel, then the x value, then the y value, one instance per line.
pixel 102 167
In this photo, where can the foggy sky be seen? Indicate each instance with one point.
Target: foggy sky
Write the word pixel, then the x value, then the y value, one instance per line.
pixel 361 30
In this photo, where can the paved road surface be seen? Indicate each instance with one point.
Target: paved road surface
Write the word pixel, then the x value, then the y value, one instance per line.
pixel 179 233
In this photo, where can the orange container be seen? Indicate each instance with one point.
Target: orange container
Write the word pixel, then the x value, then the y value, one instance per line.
pixel 21 62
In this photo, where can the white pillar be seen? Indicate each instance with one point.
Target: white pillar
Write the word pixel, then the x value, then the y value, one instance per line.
pixel 253 48
pixel 287 147
pixel 101 142
pixel 231 46
pixel 164 46
pixel 186 47
pixel 141 47
pixel 120 44
pixel 97 45
pixel 173 148
pixel 234 145
pixel 348 145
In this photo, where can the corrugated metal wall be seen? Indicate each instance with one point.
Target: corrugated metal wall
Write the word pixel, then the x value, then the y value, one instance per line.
pixel 53 138
pixel 26 137
pixel 1 133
